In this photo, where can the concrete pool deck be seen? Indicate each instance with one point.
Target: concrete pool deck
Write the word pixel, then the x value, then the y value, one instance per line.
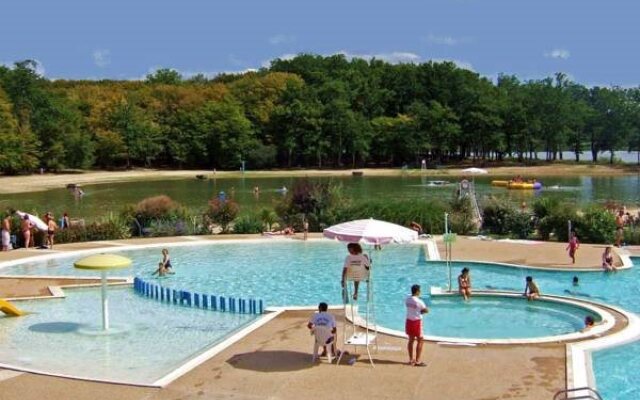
pixel 274 361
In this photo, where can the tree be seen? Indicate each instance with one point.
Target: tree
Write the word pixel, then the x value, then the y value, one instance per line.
pixel 18 152
pixel 166 76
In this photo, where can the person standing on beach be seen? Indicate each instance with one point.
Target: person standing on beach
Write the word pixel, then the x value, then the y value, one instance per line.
pixel 305 228
pixel 25 227
pixel 6 232
pixel 573 246
pixel 51 230
pixel 413 325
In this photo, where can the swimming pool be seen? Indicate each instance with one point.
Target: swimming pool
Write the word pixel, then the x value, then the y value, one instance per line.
pixel 286 273
pixel 58 337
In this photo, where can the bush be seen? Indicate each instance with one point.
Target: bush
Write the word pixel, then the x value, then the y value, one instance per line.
pixel 155 208
pixel 430 215
pixel 520 224
pixel 556 222
pixel 597 225
pixel 222 212
pixel 497 216
pixel 247 224
pixel 461 218
pixel 110 228
pixel 318 202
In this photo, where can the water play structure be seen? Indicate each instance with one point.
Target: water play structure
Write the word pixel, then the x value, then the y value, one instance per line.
pixel 9 309
pixel 518 185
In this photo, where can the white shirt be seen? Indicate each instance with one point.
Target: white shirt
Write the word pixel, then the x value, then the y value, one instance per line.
pixel 323 319
pixel 356 260
pixel 414 308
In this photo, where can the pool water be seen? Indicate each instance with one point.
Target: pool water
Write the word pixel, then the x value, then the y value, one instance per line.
pixel 285 273
pixel 154 338
pixel 499 317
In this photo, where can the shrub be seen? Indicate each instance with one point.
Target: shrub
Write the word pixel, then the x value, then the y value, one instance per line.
pixel 109 228
pixel 520 224
pixel 556 222
pixel 545 206
pixel 497 214
pixel 319 202
pixel 462 219
pixel 597 225
pixel 247 224
pixel 222 212
pixel 155 208
pixel 430 215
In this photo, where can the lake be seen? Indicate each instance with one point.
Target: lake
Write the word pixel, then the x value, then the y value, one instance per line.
pixel 193 193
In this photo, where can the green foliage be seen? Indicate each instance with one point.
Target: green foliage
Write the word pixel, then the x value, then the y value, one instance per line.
pixel 461 216
pixel 247 224
pixel 308 111
pixel 596 225
pixel 520 224
pixel 316 201
pixel 497 215
pixel 222 212
pixel 430 215
pixel 110 228
pixel 557 222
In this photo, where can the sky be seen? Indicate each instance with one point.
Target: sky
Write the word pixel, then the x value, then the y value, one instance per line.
pixel 593 42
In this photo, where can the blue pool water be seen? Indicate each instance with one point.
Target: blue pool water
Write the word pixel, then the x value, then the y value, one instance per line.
pixel 305 273
pixel 154 338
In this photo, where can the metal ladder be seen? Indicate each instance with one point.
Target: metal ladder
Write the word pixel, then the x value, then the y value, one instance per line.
pixel 580 393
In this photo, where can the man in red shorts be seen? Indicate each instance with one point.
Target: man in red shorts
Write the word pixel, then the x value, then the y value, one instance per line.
pixel 413 325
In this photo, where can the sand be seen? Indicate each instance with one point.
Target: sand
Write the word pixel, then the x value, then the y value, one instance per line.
pixel 34 183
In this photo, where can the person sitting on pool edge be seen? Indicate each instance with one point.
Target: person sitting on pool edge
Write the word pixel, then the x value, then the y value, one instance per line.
pixel 531 289
pixel 464 283
pixel 607 260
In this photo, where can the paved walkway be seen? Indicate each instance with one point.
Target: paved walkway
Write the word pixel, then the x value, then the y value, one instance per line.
pixel 537 254
pixel 275 362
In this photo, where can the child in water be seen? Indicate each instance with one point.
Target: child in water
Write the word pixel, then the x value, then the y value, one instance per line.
pixel 166 262
pixel 161 271
pixel 531 289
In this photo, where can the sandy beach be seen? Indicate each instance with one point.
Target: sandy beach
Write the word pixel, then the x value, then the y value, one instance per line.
pixel 36 182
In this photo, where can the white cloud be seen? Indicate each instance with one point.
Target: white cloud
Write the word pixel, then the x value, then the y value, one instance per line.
pixel 445 40
pixel 558 53
pixel 281 39
pixel 102 57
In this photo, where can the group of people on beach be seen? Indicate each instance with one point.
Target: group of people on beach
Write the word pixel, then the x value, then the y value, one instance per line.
pixel 28 227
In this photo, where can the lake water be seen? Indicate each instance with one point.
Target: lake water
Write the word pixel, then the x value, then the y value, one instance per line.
pixel 112 197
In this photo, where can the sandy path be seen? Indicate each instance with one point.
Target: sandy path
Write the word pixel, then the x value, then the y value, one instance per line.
pixel 34 183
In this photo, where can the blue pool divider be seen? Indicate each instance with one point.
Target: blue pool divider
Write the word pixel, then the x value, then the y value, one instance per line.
pixel 197 300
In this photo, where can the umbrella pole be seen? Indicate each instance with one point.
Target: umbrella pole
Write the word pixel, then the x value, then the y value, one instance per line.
pixel 105 302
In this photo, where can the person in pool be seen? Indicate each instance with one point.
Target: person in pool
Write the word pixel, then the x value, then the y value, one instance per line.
pixel 589 323
pixel 531 289
pixel 166 262
pixel 161 271
pixel 464 283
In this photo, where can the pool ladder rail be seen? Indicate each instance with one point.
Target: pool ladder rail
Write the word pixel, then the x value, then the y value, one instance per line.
pixel 580 393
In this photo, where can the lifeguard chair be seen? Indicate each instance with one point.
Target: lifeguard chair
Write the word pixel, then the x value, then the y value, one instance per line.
pixel 359 329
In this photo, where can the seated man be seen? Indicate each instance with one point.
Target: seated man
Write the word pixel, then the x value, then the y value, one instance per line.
pixel 325 319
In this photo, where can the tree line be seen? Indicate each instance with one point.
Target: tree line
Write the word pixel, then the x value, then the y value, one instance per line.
pixel 309 111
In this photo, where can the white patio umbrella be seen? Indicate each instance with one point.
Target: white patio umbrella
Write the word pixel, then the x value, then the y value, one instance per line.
pixel 370 231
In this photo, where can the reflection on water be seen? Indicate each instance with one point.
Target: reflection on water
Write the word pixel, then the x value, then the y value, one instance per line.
pixel 194 193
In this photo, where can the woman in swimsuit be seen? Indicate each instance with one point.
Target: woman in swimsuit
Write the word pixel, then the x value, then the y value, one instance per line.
pixel 25 226
pixel 531 289
pixel 464 283
pixel 166 262
pixel 607 260
pixel 51 230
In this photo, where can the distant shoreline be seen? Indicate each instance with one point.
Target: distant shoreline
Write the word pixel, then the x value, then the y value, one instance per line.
pixel 37 182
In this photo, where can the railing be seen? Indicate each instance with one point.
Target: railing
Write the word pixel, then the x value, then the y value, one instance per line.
pixel 581 393
pixel 197 300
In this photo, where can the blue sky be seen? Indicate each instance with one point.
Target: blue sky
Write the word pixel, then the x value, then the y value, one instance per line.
pixel 594 42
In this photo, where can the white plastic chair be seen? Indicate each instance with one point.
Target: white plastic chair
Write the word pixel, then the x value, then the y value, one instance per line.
pixel 323 337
